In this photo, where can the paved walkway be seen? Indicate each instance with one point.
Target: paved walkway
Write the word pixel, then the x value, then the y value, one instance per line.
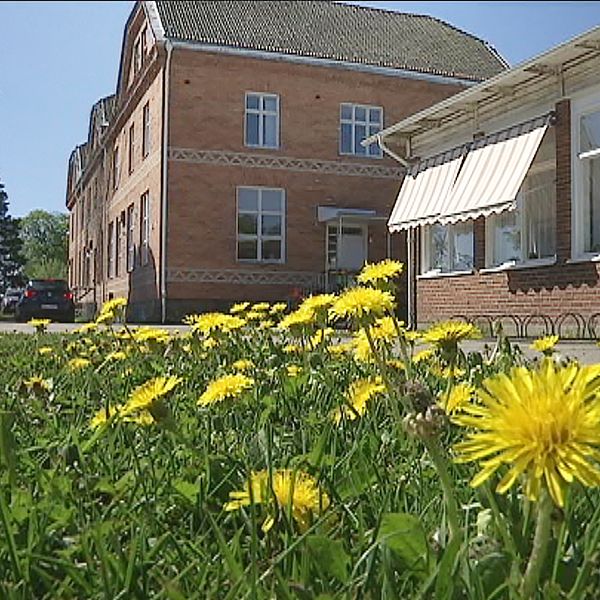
pixel 585 351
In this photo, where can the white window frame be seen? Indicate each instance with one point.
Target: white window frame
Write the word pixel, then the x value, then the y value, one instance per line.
pixel 426 268
pixel 130 224
pixel 258 236
pixel 145 229
pixel 353 122
pixel 146 130
pixel 118 228
pixel 521 224
pixel 262 114
pixel 581 105
pixel 131 149
pixel 116 167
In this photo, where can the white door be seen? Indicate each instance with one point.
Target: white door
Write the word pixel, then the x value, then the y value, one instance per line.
pixel 352 249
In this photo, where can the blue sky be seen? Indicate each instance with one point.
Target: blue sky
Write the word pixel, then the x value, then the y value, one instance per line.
pixel 58 58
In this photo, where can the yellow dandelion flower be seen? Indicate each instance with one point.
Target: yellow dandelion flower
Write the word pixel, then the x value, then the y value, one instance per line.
pixel 297 321
pixel 116 355
pixel 40 325
pixel 317 303
pixel 423 355
pixel 265 324
pixel 545 345
pixel 446 335
pixel 261 307
pixel 146 395
pixel 210 343
pixel 362 347
pixel 293 370
pixel 86 328
pixel 106 318
pixel 361 302
pixel 114 306
pixel 209 323
pixel 151 334
pixel 319 337
pixel 239 307
pixel 243 365
pixel 292 349
pixel 37 384
pixel 278 307
pixel 144 418
pixel 45 350
pixel 254 315
pixel 460 395
pixel 382 271
pixel 357 397
pixel 396 363
pixel 544 424
pixel 78 363
pixel 101 417
pixel 228 386
pixel 296 491
pixel 343 348
pixel 412 336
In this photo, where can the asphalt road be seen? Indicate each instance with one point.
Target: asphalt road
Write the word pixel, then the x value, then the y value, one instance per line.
pixel 585 351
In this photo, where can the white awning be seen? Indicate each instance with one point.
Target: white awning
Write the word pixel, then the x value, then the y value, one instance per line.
pixel 425 190
pixel 493 172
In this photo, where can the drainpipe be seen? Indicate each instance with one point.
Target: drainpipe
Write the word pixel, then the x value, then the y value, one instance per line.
pixel 163 200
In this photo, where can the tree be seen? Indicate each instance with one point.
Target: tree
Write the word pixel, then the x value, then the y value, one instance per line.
pixel 11 258
pixel 45 238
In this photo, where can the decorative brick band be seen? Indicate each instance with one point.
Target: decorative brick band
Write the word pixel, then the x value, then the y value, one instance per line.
pixel 244 277
pixel 285 163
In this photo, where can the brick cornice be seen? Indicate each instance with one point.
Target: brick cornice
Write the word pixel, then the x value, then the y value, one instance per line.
pixel 285 163
pixel 242 276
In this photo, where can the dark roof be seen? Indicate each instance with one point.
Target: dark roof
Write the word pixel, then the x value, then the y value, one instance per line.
pixel 334 31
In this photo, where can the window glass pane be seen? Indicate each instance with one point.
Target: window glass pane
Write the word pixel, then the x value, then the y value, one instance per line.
pixel 247 224
pixel 346 138
pixel 270 132
pixel 463 246
pixel 252 101
pixel 347 111
pixel 247 199
pixel 271 225
pixel 539 209
pixel 438 250
pixel 592 210
pixel 252 124
pixel 247 249
pixel 270 103
pixel 375 115
pixel 271 250
pixel 271 201
pixel 590 132
pixel 374 150
pixel 506 238
pixel 360 133
pixel 360 113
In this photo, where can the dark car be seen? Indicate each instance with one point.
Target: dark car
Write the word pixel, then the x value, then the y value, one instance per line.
pixel 46 298
pixel 9 302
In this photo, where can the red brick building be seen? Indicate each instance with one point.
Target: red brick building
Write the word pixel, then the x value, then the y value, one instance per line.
pixel 502 201
pixel 228 164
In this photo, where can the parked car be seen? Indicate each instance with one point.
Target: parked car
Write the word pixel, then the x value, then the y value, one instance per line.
pixel 10 299
pixel 46 298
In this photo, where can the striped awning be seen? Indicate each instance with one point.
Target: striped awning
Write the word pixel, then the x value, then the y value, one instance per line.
pixel 424 190
pixel 487 181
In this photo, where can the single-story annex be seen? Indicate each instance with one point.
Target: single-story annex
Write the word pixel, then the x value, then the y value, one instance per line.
pixel 501 203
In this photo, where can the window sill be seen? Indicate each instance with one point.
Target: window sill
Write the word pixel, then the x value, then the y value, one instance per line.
pixel 436 274
pixel 530 264
pixel 354 155
pixel 593 258
pixel 262 147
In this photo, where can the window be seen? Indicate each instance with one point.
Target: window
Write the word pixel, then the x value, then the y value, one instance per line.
pixel 529 232
pixel 143 44
pixel 130 243
pixel 260 224
pixel 448 248
pixel 137 56
pixel 586 168
pixel 262 120
pixel 116 168
pixel 145 224
pixel 131 146
pixel 358 122
pixel 146 130
pixel 111 250
pixel 117 246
